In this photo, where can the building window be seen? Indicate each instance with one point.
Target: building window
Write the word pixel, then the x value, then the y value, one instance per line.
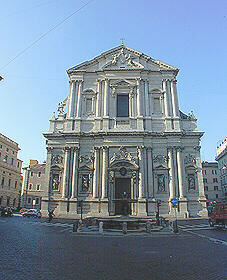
pixel 15 184
pixel 39 174
pixel 37 187
pixel 7 149
pixel 29 200
pixel 204 180
pixel 206 196
pixel 1 200
pixel 8 201
pixel 5 158
pixel 215 180
pixel 214 172
pixel 216 188
pixel 1 146
pixel 31 174
pixel 216 195
pixel 12 161
pixel 37 200
pixel 18 165
pixel 9 183
pixel 204 172
pixel 122 105
pixel 206 188
pixel 14 202
pixel 30 187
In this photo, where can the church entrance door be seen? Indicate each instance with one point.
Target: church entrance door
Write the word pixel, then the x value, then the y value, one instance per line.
pixel 121 185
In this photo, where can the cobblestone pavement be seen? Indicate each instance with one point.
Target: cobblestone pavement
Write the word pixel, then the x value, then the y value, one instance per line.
pixel 35 249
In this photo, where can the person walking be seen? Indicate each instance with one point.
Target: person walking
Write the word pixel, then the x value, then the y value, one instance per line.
pixel 50 214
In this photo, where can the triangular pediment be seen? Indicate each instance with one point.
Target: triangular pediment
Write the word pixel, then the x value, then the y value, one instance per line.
pixel 161 167
pixel 121 58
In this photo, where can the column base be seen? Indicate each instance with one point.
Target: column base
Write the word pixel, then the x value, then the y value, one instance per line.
pixel 141 210
pixel 105 123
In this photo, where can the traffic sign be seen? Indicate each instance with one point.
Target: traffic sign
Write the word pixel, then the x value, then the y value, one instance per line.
pixel 174 201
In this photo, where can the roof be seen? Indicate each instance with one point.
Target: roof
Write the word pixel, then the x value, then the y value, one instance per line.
pixel 114 50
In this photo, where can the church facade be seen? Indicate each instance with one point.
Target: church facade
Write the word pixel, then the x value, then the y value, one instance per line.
pixel 120 132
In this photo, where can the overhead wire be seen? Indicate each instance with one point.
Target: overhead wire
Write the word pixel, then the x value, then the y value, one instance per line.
pixel 45 34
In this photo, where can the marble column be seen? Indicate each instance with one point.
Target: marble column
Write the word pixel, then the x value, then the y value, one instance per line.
pixel 180 173
pixel 141 172
pixel 174 98
pixel 164 87
pixel 171 174
pixel 146 91
pixel 131 104
pixel 66 173
pixel 78 111
pixel 138 98
pixel 48 177
pixel 105 101
pixel 98 99
pixel 104 172
pixel 75 172
pixel 96 173
pixel 150 172
pixel 71 101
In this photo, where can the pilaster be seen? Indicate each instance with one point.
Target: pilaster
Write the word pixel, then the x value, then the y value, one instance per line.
pixel 75 172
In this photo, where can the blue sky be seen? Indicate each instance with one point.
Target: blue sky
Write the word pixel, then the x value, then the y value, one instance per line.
pixel 190 35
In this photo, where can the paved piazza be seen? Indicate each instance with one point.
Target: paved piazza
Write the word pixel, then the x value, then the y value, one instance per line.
pixel 35 249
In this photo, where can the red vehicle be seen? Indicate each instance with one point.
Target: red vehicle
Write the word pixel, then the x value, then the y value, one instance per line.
pixel 218 215
pixel 23 210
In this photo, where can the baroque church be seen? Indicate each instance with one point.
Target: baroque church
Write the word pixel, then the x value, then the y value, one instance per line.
pixel 120 132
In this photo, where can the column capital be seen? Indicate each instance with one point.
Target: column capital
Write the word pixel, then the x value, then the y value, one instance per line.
pixel 66 148
pixel 179 148
pixel 97 148
pixel 105 148
pixel 76 149
pixel 49 149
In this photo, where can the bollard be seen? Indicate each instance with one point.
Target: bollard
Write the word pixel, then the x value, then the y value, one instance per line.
pixel 148 227
pixel 75 227
pixel 100 227
pixel 124 227
pixel 79 226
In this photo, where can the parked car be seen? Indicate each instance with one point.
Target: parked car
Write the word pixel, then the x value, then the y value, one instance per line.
pixel 23 210
pixel 32 213
pixel 6 212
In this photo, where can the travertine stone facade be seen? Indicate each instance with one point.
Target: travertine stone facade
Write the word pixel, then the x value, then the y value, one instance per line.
pixel 122 131
pixel 33 184
pixel 211 179
pixel 222 165
pixel 10 172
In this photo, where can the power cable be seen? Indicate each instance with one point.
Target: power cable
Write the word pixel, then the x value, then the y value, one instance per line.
pixel 43 35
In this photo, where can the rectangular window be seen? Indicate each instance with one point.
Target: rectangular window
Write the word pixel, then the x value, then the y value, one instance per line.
pixel 29 200
pixel 7 149
pixel 37 187
pixel 5 158
pixel 214 172
pixel 18 165
pixel 30 186
pixel 39 174
pixel 157 106
pixel 215 180
pixel 37 200
pixel 204 172
pixel 122 105
pixel 216 188
pixel 31 174
pixel 3 181
pixel 9 183
pixel 206 188
pixel 204 180
pixel 12 161
pixel 8 201
pixel 216 195
pixel 15 184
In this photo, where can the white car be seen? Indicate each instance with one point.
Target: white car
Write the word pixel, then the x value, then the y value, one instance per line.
pixel 32 213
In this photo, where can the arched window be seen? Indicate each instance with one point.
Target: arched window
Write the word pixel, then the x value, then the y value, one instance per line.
pixel 122 105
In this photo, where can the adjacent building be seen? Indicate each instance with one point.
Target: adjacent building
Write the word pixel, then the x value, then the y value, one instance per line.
pixel 33 184
pixel 211 180
pixel 10 172
pixel 222 164
pixel 120 130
